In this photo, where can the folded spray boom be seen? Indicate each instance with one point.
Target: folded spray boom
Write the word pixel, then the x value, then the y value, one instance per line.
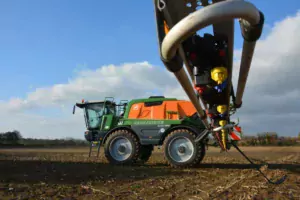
pixel 209 66
pixel 208 59
pixel 218 14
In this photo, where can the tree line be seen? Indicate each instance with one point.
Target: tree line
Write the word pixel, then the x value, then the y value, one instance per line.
pixel 270 139
pixel 15 139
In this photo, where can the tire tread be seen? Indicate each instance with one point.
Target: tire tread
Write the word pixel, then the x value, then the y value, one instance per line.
pixel 136 146
pixel 199 155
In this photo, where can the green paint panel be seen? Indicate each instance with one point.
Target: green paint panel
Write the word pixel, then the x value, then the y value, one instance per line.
pixel 107 122
pixel 148 122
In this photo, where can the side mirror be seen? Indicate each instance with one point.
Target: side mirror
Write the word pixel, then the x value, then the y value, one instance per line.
pixel 74 109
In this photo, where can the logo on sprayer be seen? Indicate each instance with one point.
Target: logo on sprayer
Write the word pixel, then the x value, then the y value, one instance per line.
pixel 135 107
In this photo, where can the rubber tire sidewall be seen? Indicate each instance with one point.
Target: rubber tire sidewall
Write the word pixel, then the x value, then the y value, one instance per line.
pixel 134 143
pixel 197 154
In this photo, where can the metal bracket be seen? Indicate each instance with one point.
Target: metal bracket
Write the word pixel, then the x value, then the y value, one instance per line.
pixel 202 135
pixel 227 126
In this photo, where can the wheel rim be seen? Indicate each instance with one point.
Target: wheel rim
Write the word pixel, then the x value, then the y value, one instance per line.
pixel 120 148
pixel 180 149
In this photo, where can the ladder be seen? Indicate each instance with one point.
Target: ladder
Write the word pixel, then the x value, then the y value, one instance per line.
pixel 96 144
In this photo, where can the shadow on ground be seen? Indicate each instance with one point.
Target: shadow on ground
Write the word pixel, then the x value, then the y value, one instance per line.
pixel 56 172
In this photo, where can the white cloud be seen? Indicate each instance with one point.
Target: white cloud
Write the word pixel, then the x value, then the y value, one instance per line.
pixel 271 98
pixel 128 81
pixel 272 93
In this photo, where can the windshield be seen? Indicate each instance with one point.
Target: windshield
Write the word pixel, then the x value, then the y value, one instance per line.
pixel 94 113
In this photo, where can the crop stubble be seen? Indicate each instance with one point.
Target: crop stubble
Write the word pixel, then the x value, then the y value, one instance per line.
pixel 70 174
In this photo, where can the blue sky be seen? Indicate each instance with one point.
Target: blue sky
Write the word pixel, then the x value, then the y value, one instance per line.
pixel 43 42
pixel 46 44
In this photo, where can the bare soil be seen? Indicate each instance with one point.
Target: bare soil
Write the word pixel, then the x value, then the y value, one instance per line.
pixel 70 174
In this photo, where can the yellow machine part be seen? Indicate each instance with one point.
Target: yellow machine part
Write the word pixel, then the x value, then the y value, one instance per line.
pixel 222 109
pixel 223 123
pixel 219 74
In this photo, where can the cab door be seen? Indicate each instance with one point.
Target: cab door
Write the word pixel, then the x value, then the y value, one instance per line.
pixel 107 120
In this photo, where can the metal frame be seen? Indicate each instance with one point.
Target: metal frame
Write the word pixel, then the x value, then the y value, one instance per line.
pixel 188 20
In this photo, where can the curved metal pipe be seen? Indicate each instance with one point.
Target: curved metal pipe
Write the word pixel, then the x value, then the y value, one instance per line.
pixel 251 24
pixel 201 18
pixel 188 69
pixel 248 50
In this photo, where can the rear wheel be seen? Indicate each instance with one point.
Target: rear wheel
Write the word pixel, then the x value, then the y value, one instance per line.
pixel 181 150
pixel 145 153
pixel 122 147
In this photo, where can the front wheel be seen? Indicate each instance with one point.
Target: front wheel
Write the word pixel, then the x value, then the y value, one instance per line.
pixel 181 150
pixel 122 147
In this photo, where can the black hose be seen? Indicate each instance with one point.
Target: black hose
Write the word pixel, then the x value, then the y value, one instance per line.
pixel 279 181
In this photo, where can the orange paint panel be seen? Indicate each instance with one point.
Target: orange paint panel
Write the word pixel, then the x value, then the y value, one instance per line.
pixel 139 111
pixel 173 107
pixel 186 108
pixel 159 112
pixel 135 110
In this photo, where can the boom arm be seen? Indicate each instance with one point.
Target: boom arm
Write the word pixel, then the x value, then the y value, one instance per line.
pixel 178 20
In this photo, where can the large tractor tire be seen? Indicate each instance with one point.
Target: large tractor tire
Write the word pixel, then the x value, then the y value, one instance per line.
pixel 181 150
pixel 145 153
pixel 122 147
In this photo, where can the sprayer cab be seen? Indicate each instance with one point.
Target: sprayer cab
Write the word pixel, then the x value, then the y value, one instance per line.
pixel 95 111
pixel 100 116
